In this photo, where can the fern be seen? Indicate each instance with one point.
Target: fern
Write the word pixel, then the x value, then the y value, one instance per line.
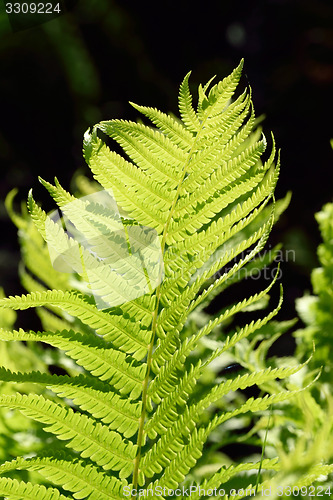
pixel 18 434
pixel 316 311
pixel 195 192
pixel 306 457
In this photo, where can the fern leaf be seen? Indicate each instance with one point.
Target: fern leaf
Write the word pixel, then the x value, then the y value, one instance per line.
pixel 94 355
pixel 81 479
pixel 112 282
pixel 116 174
pixel 94 440
pixel 162 448
pixel 220 94
pixel 191 452
pixel 168 125
pixel 19 221
pixel 11 488
pixel 175 472
pixel 185 303
pixel 159 356
pixel 224 475
pixel 222 177
pixel 174 362
pixel 208 159
pixel 186 110
pixel 152 139
pixel 201 187
pixel 145 158
pixel 123 332
pixel 94 397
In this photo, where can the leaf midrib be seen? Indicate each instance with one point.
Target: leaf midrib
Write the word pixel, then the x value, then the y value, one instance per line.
pixel 155 312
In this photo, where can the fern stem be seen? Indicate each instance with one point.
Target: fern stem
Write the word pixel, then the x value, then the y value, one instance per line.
pixel 263 450
pixel 142 418
pixel 154 322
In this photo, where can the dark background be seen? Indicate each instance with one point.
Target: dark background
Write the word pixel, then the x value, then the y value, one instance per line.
pixel 60 77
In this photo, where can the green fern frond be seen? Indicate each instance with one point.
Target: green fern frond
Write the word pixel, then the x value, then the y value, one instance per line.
pixel 220 93
pixel 122 332
pixel 166 377
pixel 187 113
pixel 168 125
pixel 104 447
pixel 200 188
pixel 226 474
pixel 160 452
pixel 140 152
pixel 163 352
pixel 11 488
pixel 180 463
pixel 90 395
pixel 94 355
pixel 83 480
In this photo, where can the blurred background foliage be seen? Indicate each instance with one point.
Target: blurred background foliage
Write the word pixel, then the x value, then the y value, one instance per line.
pixel 62 76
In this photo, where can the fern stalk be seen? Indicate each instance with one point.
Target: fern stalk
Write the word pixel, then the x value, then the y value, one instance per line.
pixel 154 326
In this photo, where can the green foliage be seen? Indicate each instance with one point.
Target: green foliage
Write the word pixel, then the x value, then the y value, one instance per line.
pixel 316 311
pixel 18 434
pixel 302 433
pixel 142 400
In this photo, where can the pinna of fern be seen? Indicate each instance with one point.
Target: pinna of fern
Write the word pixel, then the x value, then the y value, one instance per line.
pixel 131 413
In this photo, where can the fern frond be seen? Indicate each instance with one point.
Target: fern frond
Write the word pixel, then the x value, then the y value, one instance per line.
pixel 166 383
pixel 162 449
pixel 199 190
pixel 116 276
pixel 173 361
pixel 220 94
pixel 123 178
pixel 180 270
pixel 178 310
pixel 81 479
pixel 143 156
pixel 168 125
pixel 182 462
pixel 104 447
pixel 89 395
pixel 314 474
pixel 261 236
pixel 93 354
pixel 224 475
pixel 124 333
pixel 223 177
pixel 217 155
pixel 11 488
pixel 204 212
pixel 186 110
pixel 19 221
pixel 151 139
